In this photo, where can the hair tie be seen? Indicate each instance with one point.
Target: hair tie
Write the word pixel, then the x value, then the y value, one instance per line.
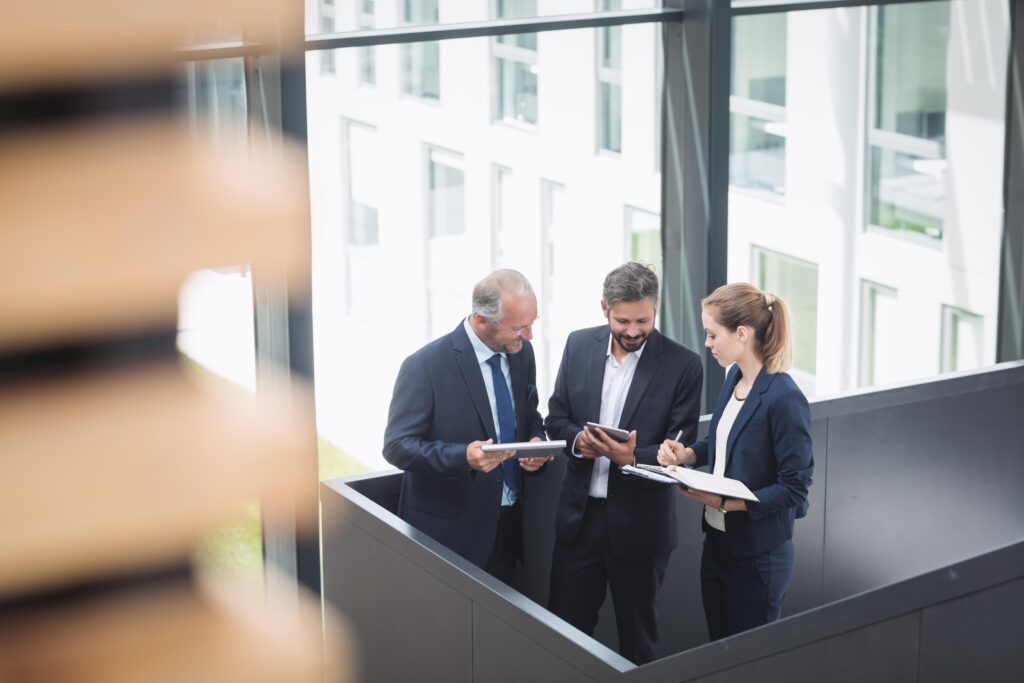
pixel 769 301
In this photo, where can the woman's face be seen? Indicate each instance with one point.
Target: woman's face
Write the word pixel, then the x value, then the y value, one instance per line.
pixel 727 347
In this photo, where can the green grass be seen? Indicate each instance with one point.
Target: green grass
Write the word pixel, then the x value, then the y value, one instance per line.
pixel 236 548
pixel 335 462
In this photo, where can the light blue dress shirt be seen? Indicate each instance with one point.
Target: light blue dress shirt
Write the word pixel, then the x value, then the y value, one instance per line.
pixel 482 354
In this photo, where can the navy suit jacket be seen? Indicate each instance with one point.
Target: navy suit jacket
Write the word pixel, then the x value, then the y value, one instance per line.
pixel 439 406
pixel 663 398
pixel 769 450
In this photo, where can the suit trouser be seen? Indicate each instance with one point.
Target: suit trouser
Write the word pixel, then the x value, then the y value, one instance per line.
pixel 584 570
pixel 740 594
pixel 508 543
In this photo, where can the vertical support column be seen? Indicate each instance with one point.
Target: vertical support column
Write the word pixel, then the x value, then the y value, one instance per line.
pixel 1010 344
pixel 695 170
pixel 284 320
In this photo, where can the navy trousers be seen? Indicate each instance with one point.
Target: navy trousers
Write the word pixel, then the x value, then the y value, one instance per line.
pixel 740 594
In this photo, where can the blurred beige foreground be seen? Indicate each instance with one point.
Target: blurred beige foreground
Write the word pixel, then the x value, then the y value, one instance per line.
pixel 111 472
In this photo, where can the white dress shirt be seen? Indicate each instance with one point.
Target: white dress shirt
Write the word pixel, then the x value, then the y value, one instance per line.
pixel 617 379
pixel 711 515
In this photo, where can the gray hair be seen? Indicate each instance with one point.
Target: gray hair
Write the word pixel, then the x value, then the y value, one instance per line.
pixel 631 281
pixel 488 292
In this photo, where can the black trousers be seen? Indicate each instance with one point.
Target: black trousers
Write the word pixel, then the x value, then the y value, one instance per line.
pixel 740 594
pixel 583 571
pixel 508 544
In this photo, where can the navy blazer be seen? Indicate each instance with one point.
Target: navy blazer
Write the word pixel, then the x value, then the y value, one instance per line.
pixel 769 450
pixel 663 398
pixel 439 406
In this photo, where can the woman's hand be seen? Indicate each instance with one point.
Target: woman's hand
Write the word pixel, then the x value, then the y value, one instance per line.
pixel 673 453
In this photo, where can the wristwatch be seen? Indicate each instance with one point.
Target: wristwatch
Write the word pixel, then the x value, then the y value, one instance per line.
pixel 721 506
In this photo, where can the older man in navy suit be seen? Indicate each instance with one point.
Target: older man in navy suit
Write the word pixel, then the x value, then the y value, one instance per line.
pixel 474 386
pixel 614 530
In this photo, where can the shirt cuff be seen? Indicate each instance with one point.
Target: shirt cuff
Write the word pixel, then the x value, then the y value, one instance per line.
pixel 574 453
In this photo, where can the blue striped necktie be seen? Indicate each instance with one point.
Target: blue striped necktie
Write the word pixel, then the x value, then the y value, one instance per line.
pixel 506 420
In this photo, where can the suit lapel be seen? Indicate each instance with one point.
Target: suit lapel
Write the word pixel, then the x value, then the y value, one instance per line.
pixel 465 357
pixel 595 374
pixel 750 406
pixel 646 368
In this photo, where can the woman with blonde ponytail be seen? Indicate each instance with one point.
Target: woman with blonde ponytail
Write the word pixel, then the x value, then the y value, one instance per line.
pixel 759 434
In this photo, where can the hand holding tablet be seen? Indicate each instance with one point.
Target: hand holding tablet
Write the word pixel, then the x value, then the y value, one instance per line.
pixel 527 449
pixel 613 433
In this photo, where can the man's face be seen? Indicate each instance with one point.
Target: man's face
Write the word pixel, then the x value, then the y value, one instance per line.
pixel 630 322
pixel 507 335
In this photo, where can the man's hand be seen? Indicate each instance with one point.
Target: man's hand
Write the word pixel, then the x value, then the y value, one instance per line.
pixel 619 453
pixel 587 445
pixel 534 464
pixel 484 462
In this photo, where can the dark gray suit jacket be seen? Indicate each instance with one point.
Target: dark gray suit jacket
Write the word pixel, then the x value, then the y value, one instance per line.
pixel 663 398
pixel 438 407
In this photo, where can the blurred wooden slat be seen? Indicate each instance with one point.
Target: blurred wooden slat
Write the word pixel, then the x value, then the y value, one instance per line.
pixel 116 471
pixel 102 223
pixel 169 634
pixel 56 41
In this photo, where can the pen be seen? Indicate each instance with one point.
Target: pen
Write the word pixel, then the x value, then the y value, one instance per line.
pixel 678 434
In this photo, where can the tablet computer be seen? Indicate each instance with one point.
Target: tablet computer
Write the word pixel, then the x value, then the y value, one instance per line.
pixel 614 433
pixel 527 449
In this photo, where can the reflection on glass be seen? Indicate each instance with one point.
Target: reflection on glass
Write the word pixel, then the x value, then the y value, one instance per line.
pixel 759 58
pixel 757 155
pixel 421 62
pixel 644 230
pixel 609 77
pixel 912 42
pixel 327 23
pixel 367 60
pixel 446 197
pixel 611 117
pixel 517 9
pixel 908 193
pixel 363 185
pixel 517 91
pixel 961 339
pixel 879 361
pixel 757 142
pixel 908 165
pixel 217 96
pixel 515 66
pixel 456 195
pixel 795 281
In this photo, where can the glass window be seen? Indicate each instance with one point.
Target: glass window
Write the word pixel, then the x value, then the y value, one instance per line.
pixel 502 213
pixel 879 362
pixel 455 196
pixel 874 117
pixel 609 83
pixel 421 62
pixel 644 230
pixel 796 282
pixel 515 66
pixel 757 157
pixel 961 339
pixel 445 193
pixel 327 24
pixel 216 335
pixel 217 96
pixel 367 61
pixel 363 185
pixel 907 172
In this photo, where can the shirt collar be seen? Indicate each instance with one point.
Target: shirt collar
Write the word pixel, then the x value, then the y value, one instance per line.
pixel 637 353
pixel 482 352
